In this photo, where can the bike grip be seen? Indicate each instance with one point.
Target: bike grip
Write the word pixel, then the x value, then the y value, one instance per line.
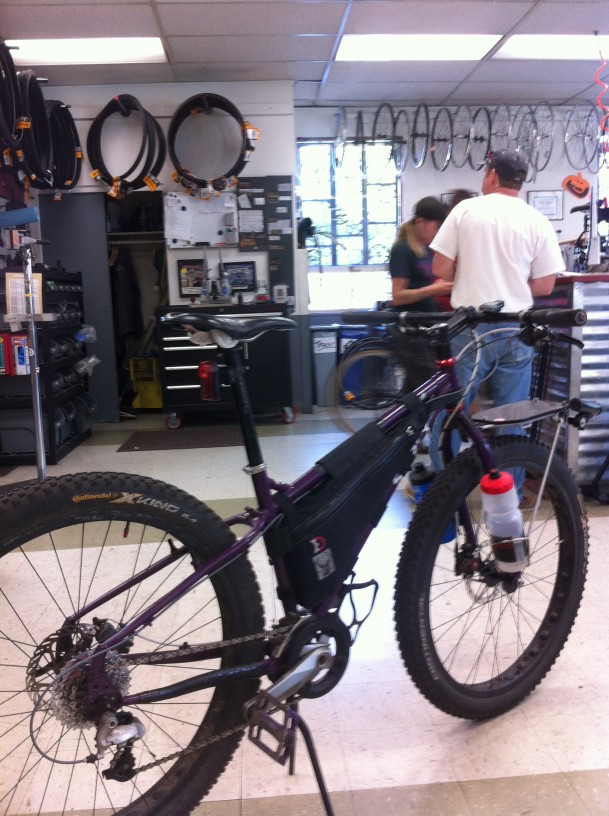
pixel 557 317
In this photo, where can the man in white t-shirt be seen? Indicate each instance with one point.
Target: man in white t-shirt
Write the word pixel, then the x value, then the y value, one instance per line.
pixel 497 247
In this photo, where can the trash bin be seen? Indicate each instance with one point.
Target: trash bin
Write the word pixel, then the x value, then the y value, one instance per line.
pixel 348 335
pixel 325 345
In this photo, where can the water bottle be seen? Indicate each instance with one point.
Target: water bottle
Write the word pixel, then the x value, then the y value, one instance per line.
pixel 420 478
pixel 504 521
pixel 224 285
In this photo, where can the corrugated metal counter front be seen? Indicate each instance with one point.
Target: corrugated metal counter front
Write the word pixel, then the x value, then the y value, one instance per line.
pixel 573 373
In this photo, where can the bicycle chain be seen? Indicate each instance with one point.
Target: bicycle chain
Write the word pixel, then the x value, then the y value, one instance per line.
pixel 203 743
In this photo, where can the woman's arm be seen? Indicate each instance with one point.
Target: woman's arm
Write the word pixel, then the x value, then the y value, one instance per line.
pixel 402 295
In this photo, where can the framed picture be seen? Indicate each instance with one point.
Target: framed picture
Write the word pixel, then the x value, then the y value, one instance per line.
pixel 241 275
pixel 191 272
pixel 447 198
pixel 547 202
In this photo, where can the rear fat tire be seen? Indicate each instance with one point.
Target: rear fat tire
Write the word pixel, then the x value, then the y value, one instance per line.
pixel 226 606
pixel 434 608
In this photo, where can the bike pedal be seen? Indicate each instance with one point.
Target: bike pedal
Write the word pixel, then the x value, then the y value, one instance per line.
pixel 263 723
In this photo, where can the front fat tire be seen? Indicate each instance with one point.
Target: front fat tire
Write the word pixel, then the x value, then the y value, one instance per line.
pixel 475 652
pixel 58 540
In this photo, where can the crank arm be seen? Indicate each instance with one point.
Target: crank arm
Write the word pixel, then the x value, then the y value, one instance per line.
pixel 315 660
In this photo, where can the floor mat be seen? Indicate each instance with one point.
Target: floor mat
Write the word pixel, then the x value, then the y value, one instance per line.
pixel 220 436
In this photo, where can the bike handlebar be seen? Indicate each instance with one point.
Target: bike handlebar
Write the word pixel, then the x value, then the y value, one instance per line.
pixel 464 317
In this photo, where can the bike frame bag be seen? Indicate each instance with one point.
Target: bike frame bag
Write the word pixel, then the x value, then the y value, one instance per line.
pixel 321 534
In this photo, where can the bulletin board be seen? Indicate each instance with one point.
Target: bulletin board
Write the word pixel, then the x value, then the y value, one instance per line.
pixel 251 203
pixel 191 221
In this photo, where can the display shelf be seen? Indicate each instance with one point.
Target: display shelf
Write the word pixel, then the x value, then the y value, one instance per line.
pixel 62 316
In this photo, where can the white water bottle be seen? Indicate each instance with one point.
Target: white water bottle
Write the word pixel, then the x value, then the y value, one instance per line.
pixel 504 521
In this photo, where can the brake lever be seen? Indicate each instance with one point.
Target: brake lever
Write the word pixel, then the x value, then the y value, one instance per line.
pixel 567 339
pixel 531 335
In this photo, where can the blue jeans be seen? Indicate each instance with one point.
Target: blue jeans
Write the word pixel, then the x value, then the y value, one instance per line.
pixel 510 361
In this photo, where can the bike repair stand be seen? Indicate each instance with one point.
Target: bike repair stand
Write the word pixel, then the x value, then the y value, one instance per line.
pixel 29 318
pixel 261 721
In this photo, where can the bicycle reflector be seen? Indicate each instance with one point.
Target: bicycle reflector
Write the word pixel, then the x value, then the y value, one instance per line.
pixel 209 376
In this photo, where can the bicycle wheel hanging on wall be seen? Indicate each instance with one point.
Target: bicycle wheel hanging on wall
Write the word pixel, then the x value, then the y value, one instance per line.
pixel 441 139
pixel 501 123
pixel 419 138
pixel 480 139
pixel 544 119
pixel 401 140
pixel 340 137
pixel 582 136
pixel 208 135
pixel 383 128
pixel 462 124
pixel 515 125
pixel 526 138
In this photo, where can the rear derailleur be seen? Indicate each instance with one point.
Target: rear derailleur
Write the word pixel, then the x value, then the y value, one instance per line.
pixel 121 729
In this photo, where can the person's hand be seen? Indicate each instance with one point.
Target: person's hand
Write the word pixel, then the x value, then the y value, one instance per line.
pixel 441 287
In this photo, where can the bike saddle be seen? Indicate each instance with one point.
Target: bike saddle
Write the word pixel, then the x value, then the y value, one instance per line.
pixel 238 328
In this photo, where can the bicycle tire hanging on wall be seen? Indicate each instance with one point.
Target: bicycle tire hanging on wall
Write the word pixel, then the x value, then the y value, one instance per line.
pixel 150 158
pixel 35 152
pixel 224 112
pixel 67 152
pixel 11 121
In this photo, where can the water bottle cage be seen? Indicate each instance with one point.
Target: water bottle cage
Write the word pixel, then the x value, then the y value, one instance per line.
pixel 511 554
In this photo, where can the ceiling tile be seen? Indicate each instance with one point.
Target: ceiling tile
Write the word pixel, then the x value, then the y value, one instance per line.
pixel 101 19
pixel 250 18
pixel 444 17
pixel 249 49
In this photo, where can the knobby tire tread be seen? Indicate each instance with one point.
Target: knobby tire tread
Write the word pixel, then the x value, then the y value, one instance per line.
pixel 414 576
pixel 39 508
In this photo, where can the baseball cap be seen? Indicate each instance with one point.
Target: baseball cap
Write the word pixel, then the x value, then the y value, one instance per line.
pixel 430 209
pixel 510 164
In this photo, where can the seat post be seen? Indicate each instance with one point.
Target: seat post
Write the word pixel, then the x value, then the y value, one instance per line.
pixel 236 371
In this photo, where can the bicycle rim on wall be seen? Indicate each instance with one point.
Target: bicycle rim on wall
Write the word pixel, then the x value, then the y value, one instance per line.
pixel 459 137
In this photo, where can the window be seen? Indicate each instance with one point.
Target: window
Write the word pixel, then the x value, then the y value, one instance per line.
pixel 355 210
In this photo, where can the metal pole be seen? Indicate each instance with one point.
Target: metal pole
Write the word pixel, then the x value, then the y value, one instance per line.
pixel 26 254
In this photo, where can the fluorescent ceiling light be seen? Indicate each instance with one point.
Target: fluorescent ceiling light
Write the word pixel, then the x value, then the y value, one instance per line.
pixel 87 51
pixel 411 47
pixel 553 47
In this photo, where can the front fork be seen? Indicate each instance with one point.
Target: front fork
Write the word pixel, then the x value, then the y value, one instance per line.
pixel 487 458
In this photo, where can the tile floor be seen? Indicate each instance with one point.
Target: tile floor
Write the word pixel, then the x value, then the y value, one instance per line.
pixel 382 746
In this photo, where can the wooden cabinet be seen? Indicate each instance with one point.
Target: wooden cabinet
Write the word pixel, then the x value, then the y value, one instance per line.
pixel 66 405
pixel 267 366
